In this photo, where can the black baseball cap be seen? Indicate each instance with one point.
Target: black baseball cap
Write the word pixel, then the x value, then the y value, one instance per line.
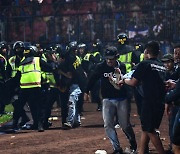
pixel 110 52
pixel 167 57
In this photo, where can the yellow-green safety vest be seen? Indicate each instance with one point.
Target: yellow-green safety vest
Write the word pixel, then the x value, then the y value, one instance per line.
pixel 5 65
pixel 77 62
pixel 51 79
pixel 87 57
pixel 30 74
pixel 13 66
pixel 141 57
pixel 126 59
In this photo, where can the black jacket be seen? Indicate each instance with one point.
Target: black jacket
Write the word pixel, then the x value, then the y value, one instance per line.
pixel 174 95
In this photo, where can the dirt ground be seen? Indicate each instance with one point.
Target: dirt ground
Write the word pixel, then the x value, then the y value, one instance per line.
pixel 83 140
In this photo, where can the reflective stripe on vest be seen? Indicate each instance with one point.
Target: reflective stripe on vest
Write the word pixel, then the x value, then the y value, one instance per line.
pixel 87 56
pixel 126 59
pixel 141 57
pixel 30 74
pixel 5 65
pixel 13 66
pixel 96 53
pixel 77 62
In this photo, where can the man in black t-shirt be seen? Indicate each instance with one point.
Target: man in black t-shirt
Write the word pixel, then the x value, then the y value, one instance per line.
pixel 151 74
pixel 71 83
pixel 114 99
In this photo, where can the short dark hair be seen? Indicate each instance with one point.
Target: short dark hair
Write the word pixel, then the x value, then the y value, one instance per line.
pixel 153 47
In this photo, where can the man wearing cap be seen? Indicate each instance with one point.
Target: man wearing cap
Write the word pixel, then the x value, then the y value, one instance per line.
pixel 114 98
pixel 170 109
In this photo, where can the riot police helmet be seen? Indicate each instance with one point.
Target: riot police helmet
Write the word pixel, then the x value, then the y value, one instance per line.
pixel 122 38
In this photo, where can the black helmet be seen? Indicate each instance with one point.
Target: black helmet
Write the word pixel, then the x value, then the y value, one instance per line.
pixel 122 38
pixel 139 46
pixel 82 45
pixel 58 48
pixel 3 45
pixel 111 52
pixel 18 48
pixel 72 47
pixel 31 51
pixel 97 45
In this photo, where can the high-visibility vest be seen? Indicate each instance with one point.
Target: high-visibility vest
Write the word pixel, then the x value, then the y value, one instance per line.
pixel 51 79
pixel 30 74
pixel 126 59
pixel 77 62
pixel 5 65
pixel 96 53
pixel 141 57
pixel 13 66
pixel 43 57
pixel 87 57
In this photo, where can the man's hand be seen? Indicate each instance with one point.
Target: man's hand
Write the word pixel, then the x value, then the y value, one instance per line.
pixel 170 84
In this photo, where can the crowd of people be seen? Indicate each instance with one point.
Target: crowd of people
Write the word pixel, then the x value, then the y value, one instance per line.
pixel 68 20
pixel 76 73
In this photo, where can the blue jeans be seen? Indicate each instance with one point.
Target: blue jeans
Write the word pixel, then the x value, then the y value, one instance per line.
pixel 73 115
pixel 110 107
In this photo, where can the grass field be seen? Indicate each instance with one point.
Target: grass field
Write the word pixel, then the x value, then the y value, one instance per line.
pixel 8 116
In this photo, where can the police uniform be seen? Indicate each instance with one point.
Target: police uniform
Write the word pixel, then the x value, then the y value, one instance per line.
pixel 3 66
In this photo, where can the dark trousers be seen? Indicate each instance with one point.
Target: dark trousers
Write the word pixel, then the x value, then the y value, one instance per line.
pixel 53 95
pixel 95 94
pixel 2 97
pixel 64 105
pixel 33 97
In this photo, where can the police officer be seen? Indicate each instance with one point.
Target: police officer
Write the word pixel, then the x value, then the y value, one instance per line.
pixel 50 92
pixel 13 85
pixel 4 75
pixel 30 84
pixel 126 51
pixel 96 58
pixel 128 57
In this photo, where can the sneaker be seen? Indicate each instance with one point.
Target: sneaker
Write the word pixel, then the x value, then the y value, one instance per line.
pixel 23 122
pixel 130 151
pixel 99 108
pixel 120 151
pixel 117 126
pixel 67 125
